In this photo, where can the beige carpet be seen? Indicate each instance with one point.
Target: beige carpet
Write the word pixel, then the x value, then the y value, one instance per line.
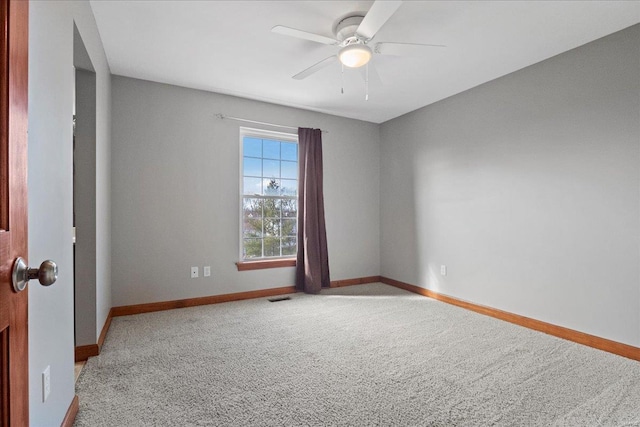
pixel 360 355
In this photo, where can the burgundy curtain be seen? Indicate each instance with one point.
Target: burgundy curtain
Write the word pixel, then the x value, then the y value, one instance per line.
pixel 312 267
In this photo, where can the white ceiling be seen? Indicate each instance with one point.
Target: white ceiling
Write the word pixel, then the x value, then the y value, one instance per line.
pixel 228 47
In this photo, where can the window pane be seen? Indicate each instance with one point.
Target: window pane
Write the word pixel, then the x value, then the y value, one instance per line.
pixel 252 167
pixel 252 186
pixel 272 208
pixel 272 227
pixel 289 227
pixel 252 228
pixel 252 217
pixel 289 170
pixel 271 149
pixel 271 168
pixel 252 207
pixel 289 246
pixel 289 151
pixel 271 187
pixel 252 147
pixel 271 246
pixel 289 187
pixel 252 248
pixel 289 208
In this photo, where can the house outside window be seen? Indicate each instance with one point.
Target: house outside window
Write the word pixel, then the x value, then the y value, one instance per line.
pixel 269 195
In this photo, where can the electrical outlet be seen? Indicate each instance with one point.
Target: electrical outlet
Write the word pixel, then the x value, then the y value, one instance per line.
pixel 194 272
pixel 46 383
pixel 206 271
pixel 443 270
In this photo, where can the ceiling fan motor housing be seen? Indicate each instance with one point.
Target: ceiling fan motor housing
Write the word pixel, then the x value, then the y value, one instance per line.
pixel 345 31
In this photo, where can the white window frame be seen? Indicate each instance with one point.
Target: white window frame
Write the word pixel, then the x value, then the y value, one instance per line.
pixel 262 134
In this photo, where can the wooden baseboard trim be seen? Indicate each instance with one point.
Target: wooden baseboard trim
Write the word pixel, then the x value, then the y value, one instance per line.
pixel 105 329
pixel 84 352
pixel 127 310
pixel 70 416
pixel 356 281
pixel 604 344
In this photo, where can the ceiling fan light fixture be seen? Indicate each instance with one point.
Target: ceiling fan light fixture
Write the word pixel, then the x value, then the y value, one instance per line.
pixel 355 55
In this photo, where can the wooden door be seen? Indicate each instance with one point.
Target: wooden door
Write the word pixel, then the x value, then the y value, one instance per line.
pixel 14 360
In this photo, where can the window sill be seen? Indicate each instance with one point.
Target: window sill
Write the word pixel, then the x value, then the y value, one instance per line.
pixel 262 264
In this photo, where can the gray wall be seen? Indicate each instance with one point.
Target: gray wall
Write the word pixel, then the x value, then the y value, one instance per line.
pixel 175 191
pixel 527 188
pixel 51 87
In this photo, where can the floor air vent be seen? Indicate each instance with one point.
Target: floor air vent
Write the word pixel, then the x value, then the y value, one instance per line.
pixel 279 299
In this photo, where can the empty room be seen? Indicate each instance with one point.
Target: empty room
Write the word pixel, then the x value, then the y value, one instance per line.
pixel 319 213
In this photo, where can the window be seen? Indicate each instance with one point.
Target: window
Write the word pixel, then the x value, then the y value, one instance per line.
pixel 269 188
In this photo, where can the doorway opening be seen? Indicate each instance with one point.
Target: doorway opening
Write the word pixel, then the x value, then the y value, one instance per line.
pixel 84 195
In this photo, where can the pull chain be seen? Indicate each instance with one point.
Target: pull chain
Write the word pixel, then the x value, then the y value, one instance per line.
pixel 366 84
pixel 342 81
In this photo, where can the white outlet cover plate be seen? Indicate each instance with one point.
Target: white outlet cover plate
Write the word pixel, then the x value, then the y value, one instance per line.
pixel 206 271
pixel 194 272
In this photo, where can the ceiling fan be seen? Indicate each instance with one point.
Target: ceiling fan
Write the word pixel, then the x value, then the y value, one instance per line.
pixel 353 35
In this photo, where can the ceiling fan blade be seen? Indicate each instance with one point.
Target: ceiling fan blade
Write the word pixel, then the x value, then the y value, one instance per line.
pixel 379 13
pixel 315 67
pixel 404 49
pixel 287 31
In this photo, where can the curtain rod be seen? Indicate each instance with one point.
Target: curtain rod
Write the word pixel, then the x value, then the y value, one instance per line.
pixel 238 119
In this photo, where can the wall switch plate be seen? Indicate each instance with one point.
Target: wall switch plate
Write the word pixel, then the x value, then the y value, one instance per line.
pixel 46 383
pixel 443 270
pixel 206 271
pixel 194 272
